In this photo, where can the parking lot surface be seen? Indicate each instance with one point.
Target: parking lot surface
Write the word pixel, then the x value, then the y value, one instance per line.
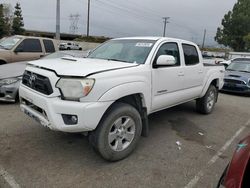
pixel 34 156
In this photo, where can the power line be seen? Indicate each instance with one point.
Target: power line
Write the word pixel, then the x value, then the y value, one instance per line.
pixel 131 13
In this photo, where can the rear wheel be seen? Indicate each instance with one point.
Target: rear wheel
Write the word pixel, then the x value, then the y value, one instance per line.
pixel 118 132
pixel 205 105
pixel 2 62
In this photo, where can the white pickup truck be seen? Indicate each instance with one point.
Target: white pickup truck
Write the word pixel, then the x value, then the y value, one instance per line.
pixel 110 94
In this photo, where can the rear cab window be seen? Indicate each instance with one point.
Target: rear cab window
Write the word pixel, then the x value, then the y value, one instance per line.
pixel 49 46
pixel 191 55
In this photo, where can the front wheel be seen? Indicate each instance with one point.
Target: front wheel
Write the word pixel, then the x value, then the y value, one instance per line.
pixel 118 132
pixel 205 105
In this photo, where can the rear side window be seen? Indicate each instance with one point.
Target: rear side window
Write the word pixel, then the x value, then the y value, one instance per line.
pixel 49 46
pixel 190 54
pixel 30 45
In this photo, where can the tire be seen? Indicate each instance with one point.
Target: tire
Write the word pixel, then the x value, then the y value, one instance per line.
pixel 205 105
pixel 17 97
pixel 2 62
pixel 114 139
pixel 68 48
pixel 80 49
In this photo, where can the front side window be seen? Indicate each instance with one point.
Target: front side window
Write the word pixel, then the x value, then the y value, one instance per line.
pixel 30 45
pixel 129 51
pixel 190 54
pixel 170 48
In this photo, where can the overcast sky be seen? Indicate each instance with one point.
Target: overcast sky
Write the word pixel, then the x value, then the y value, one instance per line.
pixel 119 18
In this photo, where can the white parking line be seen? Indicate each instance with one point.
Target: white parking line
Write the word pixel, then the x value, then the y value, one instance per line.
pixel 197 177
pixel 8 178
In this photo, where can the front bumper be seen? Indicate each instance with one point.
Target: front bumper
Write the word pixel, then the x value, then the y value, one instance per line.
pixel 8 93
pixel 49 111
pixel 236 88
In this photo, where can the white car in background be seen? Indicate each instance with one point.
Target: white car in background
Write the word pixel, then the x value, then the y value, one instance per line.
pixel 69 46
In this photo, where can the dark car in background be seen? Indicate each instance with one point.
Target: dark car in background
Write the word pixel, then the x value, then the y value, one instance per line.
pixel 237 77
pixel 11 74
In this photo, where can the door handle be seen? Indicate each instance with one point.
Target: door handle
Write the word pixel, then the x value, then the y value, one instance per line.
pixel 181 74
pixel 200 71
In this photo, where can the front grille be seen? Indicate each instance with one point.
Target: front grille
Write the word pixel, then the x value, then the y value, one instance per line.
pixel 235 76
pixel 231 81
pixel 234 88
pixel 2 95
pixel 37 82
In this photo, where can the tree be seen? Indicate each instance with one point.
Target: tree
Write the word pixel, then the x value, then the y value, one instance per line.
pixel 8 14
pixel 17 23
pixel 247 41
pixel 3 25
pixel 235 26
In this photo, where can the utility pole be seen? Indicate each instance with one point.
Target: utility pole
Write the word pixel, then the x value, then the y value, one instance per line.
pixel 204 38
pixel 88 18
pixel 58 19
pixel 165 24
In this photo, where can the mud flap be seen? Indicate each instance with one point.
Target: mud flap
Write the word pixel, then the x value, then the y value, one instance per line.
pixel 145 124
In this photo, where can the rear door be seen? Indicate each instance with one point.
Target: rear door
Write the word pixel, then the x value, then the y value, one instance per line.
pixel 167 80
pixel 193 71
pixel 28 49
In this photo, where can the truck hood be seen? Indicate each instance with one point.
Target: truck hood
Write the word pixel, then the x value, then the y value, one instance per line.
pixel 80 66
pixel 238 75
pixel 3 50
pixel 12 70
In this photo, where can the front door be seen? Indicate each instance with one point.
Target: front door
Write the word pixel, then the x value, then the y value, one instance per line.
pixel 29 49
pixel 167 80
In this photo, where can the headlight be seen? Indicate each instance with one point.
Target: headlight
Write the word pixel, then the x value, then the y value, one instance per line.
pixel 74 89
pixel 8 81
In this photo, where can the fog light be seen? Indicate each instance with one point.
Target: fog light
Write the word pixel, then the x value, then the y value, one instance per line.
pixel 70 119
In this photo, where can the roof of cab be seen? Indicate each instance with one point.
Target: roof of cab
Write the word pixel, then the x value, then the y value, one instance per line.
pixel 154 38
pixel 23 36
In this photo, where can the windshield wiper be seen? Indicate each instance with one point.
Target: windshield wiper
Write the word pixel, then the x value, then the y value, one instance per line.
pixel 1 46
pixel 244 71
pixel 118 60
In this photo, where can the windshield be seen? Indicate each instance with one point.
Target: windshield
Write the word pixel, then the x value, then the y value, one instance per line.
pixel 129 51
pixel 239 66
pixel 9 43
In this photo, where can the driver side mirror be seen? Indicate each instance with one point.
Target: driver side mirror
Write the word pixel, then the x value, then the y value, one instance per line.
pixel 165 60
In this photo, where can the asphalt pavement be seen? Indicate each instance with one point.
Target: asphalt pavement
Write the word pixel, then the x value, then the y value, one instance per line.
pixel 184 149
